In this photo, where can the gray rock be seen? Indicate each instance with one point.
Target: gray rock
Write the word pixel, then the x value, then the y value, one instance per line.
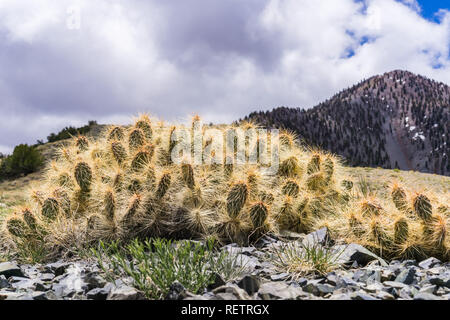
pixel 280 277
pixel 125 292
pixel 440 281
pixel 94 280
pixel 406 276
pixel 3 282
pixel 319 237
pixel 383 295
pixel 361 295
pixel 395 285
pixel 176 292
pixel 426 296
pixel 98 294
pixel 347 254
pixel 46 277
pixel 57 268
pixel 10 269
pixel 218 282
pixel 429 263
pixel 15 296
pixel 230 292
pixel 428 289
pixel 250 284
pixel 42 287
pixel 280 291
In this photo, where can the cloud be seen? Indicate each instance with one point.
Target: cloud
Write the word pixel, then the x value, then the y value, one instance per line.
pixel 221 59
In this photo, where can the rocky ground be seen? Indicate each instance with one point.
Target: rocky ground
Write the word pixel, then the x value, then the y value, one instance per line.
pixel 364 277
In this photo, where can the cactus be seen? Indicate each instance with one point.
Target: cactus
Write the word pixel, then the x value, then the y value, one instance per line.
pixel 116 133
pixel 83 176
pixel 63 200
pixel 140 160
pixel 145 125
pixel 50 209
pixel 347 185
pixel 29 218
pixel 135 186
pixel 399 198
pixel 356 226
pixel 370 208
pixel 110 206
pixel 119 152
pixel 236 199
pixel 150 179
pixel 316 181
pixel 401 231
pixel 291 188
pixel 64 180
pixel 289 168
pixel 187 173
pixel 136 140
pixel 378 233
pixel 423 207
pixel 314 164
pixel 259 214
pixel 82 143
pixel 163 185
pixel 133 208
pixel 328 169
pixel 17 227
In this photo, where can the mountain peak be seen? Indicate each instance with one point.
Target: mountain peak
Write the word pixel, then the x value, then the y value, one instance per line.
pixel 398 119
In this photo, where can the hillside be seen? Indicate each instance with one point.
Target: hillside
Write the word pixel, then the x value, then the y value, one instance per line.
pixel 396 120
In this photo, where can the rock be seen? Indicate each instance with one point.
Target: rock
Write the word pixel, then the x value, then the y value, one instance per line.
pixel 98 294
pixel 94 280
pixel 280 277
pixel 37 295
pixel 395 285
pixel 125 292
pixel 440 281
pixel 176 292
pixel 426 296
pixel 361 295
pixel 10 269
pixel 233 250
pixel 250 284
pixel 428 289
pixel 406 276
pixel 429 263
pixel 280 290
pixel 218 282
pixel 374 287
pixel 320 237
pixel 42 287
pixel 291 236
pixel 230 292
pixel 15 296
pixel 347 254
pixel 247 262
pixel 383 295
pixel 57 268
pixel 3 282
pixel 47 277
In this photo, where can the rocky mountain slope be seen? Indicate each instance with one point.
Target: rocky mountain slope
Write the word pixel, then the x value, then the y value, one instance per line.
pixel 395 120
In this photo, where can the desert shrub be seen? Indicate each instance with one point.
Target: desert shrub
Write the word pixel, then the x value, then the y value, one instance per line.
pixel 69 132
pixel 24 160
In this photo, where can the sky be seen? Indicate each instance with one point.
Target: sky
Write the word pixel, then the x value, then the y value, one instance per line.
pixel 69 61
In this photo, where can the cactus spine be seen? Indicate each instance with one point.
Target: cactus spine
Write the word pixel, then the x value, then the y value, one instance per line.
pixel 119 152
pixel 289 168
pixel 116 133
pixel 16 227
pixel 136 140
pixel 110 206
pixel 82 143
pixel 399 198
pixel 314 164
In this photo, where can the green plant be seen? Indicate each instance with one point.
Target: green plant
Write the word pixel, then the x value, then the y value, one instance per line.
pixel 155 264
pixel 24 160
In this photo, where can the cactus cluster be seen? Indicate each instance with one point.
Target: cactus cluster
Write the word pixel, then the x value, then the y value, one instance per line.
pixel 125 185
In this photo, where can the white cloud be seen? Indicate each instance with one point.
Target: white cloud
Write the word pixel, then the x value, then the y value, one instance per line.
pixel 222 59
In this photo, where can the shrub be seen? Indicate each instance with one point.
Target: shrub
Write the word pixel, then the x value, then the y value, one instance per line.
pixel 155 264
pixel 24 160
